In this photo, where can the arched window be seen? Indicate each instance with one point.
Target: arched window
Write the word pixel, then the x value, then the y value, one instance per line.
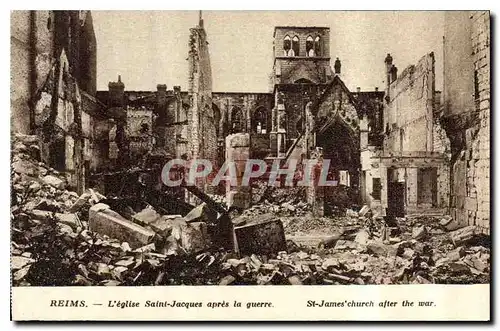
pixel 287 45
pixel 295 46
pixel 259 123
pixel 237 120
pixel 317 46
pixel 310 46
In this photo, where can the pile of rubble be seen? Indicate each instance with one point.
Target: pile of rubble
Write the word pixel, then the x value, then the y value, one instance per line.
pixel 62 238
pixel 287 208
pixel 421 249
pixel 276 194
pixel 360 251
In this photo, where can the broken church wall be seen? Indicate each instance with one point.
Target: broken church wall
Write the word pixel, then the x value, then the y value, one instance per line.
pixel 239 112
pixel 31 40
pixel 50 50
pixel 467 115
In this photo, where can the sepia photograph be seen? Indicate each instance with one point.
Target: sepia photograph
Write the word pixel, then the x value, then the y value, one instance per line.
pixel 158 148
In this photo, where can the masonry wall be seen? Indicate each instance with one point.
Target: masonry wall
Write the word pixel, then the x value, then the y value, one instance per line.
pixel 50 53
pixel 469 128
pixel 458 70
pixel 248 104
pixel 414 133
pixel 67 120
pixel 291 69
pixel 408 116
pixel 31 40
pixel 140 142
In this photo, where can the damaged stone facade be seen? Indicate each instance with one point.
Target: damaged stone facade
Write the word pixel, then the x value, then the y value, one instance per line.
pixel 174 123
pixel 316 114
pixel 53 79
pixel 244 113
pixel 406 174
pixel 466 114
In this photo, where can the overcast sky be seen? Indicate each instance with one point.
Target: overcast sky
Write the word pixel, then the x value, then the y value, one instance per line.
pixel 151 47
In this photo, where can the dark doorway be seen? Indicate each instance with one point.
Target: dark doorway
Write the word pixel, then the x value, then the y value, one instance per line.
pixel 58 155
pixel 341 146
pixel 427 186
pixel 395 195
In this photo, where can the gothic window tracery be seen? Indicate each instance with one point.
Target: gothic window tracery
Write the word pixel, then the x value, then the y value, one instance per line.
pixel 317 46
pixel 260 121
pixel 295 46
pixel 310 51
pixel 237 121
pixel 287 45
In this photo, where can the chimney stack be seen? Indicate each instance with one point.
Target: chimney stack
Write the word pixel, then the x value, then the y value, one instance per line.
pixel 116 93
pixel 376 88
pixel 161 94
pixel 337 66
pixel 388 62
pixel 394 73
pixel 358 89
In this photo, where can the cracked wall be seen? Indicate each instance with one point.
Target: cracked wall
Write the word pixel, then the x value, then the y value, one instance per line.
pixel 409 113
pixel 53 58
pixel 415 148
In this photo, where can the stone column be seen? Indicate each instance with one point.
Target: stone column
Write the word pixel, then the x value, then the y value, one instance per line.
pixel 309 139
pixel 238 151
pixel 363 133
pixel 281 131
pixel 315 194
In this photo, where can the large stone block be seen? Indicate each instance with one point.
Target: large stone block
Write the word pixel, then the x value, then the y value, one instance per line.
pixel 470 203
pixel 238 140
pixel 105 221
pixel 263 237
pixel 239 199
pixel 146 216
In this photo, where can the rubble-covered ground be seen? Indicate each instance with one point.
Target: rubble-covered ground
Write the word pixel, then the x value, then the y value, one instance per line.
pixel 52 244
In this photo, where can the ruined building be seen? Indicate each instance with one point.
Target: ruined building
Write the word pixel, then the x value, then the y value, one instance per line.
pixel 408 173
pixel 53 87
pixel 182 124
pixel 276 122
pixel 406 148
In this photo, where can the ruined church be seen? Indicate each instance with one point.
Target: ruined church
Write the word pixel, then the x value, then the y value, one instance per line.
pixel 403 148
pixel 309 109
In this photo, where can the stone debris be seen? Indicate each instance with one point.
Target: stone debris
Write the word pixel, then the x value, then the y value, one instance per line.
pixel 419 232
pixel 105 221
pixel 62 238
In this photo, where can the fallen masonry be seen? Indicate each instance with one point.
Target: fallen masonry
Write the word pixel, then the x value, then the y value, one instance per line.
pixel 62 238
